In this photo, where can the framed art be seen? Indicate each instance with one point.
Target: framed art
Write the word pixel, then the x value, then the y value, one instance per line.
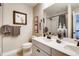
pixel 19 18
pixel 36 24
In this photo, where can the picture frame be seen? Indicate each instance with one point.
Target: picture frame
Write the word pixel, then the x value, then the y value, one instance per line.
pixel 36 24
pixel 19 18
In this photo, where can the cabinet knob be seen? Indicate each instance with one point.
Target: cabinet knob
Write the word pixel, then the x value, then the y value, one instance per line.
pixel 38 50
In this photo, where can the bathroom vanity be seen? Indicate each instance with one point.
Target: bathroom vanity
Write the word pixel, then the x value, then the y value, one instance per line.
pixel 49 47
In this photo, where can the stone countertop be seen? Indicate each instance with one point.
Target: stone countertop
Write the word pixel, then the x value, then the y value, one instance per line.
pixel 67 46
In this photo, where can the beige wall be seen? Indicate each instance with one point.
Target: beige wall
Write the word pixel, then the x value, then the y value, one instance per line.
pixel 38 11
pixel 0 26
pixel 11 43
pixel 69 21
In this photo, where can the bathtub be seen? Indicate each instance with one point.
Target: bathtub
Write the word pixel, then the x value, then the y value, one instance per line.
pixel 0 51
pixel 11 53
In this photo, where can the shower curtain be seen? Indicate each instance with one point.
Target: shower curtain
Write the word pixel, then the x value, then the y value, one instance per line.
pixel 62 20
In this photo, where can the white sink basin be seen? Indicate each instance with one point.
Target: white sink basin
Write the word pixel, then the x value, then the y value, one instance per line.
pixel 72 48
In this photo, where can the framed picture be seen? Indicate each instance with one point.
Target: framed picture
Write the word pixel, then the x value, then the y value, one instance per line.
pixel 19 18
pixel 36 24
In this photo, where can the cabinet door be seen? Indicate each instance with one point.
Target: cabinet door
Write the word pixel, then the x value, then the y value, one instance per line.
pixel 57 53
pixel 38 52
pixel 43 47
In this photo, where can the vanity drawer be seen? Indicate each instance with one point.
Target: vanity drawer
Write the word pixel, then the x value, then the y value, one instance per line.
pixel 38 52
pixel 43 47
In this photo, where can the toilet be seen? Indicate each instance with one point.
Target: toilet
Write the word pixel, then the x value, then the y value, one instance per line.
pixel 27 49
pixel 27 45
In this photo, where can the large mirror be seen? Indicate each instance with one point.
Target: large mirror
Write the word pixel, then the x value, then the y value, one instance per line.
pixel 55 15
pixel 59 13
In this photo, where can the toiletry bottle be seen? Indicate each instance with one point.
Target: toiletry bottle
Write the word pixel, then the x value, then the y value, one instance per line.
pixel 60 32
pixel 64 31
pixel 49 35
pixel 78 43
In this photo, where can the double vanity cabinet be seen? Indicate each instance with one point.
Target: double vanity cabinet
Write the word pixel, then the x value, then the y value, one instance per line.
pixel 49 47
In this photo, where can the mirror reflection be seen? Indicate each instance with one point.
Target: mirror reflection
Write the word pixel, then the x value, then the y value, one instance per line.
pixel 56 18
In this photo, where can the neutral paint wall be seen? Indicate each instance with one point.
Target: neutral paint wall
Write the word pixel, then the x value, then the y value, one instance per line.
pixel 46 5
pixel 38 11
pixel 69 21
pixel 0 26
pixel 11 43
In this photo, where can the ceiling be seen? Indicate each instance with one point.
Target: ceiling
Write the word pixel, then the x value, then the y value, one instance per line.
pixel 59 7
pixel 31 4
pixel 28 4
